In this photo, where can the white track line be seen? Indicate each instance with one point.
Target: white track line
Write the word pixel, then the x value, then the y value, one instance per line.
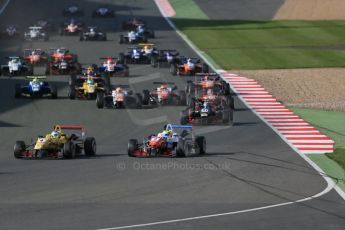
pixel 4 6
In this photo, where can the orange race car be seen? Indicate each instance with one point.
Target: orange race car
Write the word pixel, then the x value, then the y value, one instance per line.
pixel 35 56
pixel 184 66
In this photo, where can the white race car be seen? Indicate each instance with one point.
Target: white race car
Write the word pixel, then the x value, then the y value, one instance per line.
pixel 36 33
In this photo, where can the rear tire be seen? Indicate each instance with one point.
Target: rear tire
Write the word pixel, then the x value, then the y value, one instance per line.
pixel 146 97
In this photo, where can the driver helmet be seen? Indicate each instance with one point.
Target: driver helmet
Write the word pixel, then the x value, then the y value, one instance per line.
pixel 54 135
pixel 35 81
pixel 89 69
pixel 92 30
pixel 209 92
pixel 33 52
pixel 163 86
pixel 118 90
pixel 89 81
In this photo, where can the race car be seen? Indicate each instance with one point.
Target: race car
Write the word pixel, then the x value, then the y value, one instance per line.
pixel 140 54
pixel 46 25
pixel 73 10
pixel 207 81
pixel 57 144
pixel 36 88
pixel 132 24
pixel 10 32
pixel 119 98
pixel 71 27
pixel 103 12
pixel 143 30
pixel 184 66
pixel 57 54
pixel 88 87
pixel 204 112
pixel 15 66
pixel 36 33
pixel 63 66
pixel 164 58
pixel 35 56
pixel 171 142
pixel 165 94
pixel 113 67
pixel 93 34
pixel 132 37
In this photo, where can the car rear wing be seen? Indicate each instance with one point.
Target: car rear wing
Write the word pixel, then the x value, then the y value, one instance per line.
pixel 71 127
pixel 106 58
pixel 35 27
pixel 146 44
pixel 12 57
pixel 36 77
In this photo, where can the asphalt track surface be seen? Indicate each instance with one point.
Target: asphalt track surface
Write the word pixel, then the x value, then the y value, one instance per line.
pixel 247 165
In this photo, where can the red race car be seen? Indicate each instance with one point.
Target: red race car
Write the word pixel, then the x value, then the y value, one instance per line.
pixel 169 143
pixel 165 94
pixel 71 27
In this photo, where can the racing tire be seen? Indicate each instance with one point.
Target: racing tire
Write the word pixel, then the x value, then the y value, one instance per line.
pixel 72 92
pixel 146 97
pixel 69 150
pixel 17 91
pixel 100 100
pixel 201 142
pixel 173 69
pixel 18 148
pixel 132 146
pixel 53 91
pixel 90 146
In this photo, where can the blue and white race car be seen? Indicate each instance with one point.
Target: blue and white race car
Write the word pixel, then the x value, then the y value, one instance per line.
pixel 36 88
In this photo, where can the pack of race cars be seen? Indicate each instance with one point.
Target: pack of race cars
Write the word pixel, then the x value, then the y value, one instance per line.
pixel 207 99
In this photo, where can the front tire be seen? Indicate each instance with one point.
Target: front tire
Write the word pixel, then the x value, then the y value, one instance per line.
pixel 90 146
pixel 19 147
pixel 132 147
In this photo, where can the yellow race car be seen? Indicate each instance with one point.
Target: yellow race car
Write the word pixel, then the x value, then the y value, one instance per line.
pixel 57 144
pixel 87 87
